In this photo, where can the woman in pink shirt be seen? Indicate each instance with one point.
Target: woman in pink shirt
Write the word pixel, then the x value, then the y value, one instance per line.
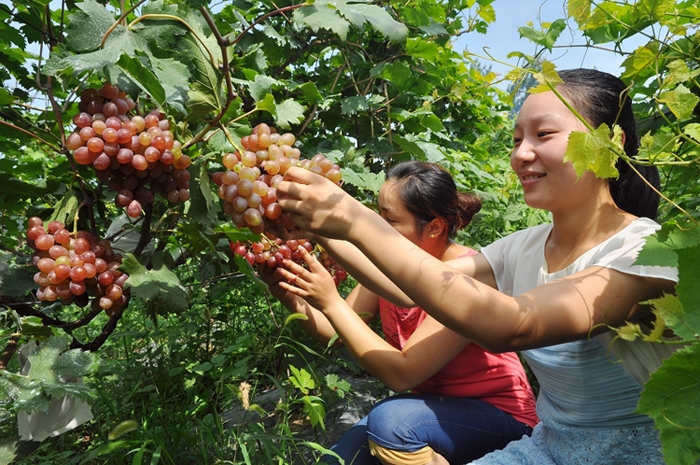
pixel 464 401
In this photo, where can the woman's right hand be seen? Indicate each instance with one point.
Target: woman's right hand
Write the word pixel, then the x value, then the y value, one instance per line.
pixel 318 205
pixel 272 278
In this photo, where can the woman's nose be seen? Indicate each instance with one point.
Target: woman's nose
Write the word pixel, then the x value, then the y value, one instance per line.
pixel 523 152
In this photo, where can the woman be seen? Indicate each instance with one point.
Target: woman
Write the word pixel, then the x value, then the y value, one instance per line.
pixel 550 288
pixel 465 401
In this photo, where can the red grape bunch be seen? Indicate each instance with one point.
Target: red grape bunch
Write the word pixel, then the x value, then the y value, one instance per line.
pixel 270 253
pixel 76 268
pixel 136 155
pixel 249 184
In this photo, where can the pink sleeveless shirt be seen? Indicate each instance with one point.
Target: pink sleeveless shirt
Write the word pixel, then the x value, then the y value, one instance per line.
pixel 498 379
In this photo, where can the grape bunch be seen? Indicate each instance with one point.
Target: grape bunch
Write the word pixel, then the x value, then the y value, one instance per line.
pixel 249 184
pixel 76 268
pixel 136 155
pixel 270 253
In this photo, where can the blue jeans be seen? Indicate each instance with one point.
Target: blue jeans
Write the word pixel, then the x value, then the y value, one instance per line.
pixel 459 429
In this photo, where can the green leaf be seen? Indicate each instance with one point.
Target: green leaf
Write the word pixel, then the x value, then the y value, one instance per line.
pixel 289 111
pixel 692 130
pixel 50 362
pixel 661 249
pixel 301 379
pixel 672 398
pixel 580 10
pixel 66 209
pixel 322 16
pixel 679 72
pixel 367 181
pixel 680 101
pixel 688 290
pixel 86 28
pixel 314 408
pixel 595 151
pixel 261 85
pixel 326 14
pixel 546 37
pixel 143 76
pixel 15 281
pixel 158 284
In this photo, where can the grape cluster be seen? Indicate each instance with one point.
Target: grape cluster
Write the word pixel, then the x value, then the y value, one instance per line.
pixel 136 155
pixel 74 268
pixel 270 253
pixel 249 184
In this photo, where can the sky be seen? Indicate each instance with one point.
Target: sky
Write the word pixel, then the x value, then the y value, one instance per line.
pixel 503 37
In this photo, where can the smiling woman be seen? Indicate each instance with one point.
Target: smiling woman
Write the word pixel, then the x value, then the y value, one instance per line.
pixel 547 289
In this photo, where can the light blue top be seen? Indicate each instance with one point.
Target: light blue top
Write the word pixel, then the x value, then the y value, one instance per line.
pixel 581 384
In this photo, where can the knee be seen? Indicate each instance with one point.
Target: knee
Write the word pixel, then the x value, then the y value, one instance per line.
pixel 393 457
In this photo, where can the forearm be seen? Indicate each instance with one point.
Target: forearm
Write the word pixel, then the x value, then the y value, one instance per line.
pixel 374 354
pixel 364 271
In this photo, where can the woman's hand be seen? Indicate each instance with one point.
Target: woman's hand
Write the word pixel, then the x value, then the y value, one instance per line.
pixel 314 285
pixel 272 278
pixel 317 204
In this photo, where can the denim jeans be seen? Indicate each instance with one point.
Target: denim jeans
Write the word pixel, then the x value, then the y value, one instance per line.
pixel 458 428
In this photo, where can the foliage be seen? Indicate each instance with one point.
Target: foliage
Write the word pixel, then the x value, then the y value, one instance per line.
pixel 366 84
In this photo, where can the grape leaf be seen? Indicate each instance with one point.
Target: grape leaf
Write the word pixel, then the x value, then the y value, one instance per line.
pixel 688 291
pixel 301 379
pixel 594 151
pixel 546 37
pixel 580 10
pixel 158 284
pixel 672 398
pixel 367 181
pixel 50 363
pixel 326 14
pixel 143 77
pixel 680 101
pixel 289 111
pixel 15 281
pixel 87 28
pixel 679 72
pixel 321 16
pixel 662 248
pixel 316 410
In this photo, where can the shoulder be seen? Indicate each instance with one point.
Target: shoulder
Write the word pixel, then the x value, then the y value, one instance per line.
pixel 621 251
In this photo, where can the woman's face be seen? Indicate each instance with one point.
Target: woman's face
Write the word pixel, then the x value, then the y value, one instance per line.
pixel 393 210
pixel 540 138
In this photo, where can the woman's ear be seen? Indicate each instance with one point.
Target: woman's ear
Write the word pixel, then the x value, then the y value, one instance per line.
pixel 436 228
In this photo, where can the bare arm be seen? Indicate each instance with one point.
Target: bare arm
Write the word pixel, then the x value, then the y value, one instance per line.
pixel 366 273
pixel 428 349
pixel 560 311
pixel 316 325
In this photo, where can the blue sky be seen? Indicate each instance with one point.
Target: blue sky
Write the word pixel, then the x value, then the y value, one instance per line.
pixel 503 37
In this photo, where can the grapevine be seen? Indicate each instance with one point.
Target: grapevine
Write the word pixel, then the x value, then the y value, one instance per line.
pixel 76 268
pixel 135 155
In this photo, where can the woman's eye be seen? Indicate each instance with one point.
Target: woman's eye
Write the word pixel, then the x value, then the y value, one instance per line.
pixel 542 133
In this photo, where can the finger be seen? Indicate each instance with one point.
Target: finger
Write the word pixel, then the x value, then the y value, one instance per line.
pixel 295 268
pixel 299 175
pixel 311 260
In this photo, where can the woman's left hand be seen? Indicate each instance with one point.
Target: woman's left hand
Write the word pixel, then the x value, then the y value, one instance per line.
pixel 315 284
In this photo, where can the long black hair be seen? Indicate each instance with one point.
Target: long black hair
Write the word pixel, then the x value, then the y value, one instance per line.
pixel 602 98
pixel 428 191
